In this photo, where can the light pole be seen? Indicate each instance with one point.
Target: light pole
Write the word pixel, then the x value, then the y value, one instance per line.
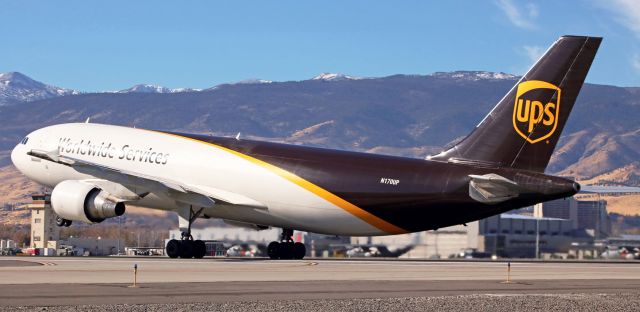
pixel 537 237
pixel 119 227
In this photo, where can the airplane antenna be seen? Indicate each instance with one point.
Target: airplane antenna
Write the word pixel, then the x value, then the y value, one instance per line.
pixel 238 136
pixel 88 120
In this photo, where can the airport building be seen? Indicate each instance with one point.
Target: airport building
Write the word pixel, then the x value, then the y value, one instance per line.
pixel 45 234
pixel 521 236
pixel 428 244
pixel 81 246
pixel 44 231
pixel 553 228
pixel 506 235
pixel 590 215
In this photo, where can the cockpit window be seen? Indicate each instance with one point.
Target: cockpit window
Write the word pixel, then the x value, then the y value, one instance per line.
pixel 25 140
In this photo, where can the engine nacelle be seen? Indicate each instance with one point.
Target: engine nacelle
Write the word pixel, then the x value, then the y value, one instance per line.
pixel 79 201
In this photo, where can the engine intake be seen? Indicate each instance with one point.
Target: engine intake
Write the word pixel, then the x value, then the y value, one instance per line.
pixel 80 201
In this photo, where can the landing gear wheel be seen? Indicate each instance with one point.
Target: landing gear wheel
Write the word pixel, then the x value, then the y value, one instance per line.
pixel 187 249
pixel 173 248
pixel 200 249
pixel 273 250
pixel 299 250
pixel 286 250
pixel 62 222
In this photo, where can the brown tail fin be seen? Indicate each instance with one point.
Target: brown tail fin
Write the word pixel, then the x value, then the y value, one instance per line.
pixel 523 129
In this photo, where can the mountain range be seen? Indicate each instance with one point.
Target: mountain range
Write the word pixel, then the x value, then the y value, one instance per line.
pixel 408 115
pixel 16 87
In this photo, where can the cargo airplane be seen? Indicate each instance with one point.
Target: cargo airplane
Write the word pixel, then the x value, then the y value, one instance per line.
pixel 95 170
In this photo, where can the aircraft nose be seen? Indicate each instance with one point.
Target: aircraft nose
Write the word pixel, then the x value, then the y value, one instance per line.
pixel 16 154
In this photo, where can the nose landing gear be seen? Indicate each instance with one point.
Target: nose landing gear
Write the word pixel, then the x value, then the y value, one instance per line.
pixel 62 222
pixel 286 248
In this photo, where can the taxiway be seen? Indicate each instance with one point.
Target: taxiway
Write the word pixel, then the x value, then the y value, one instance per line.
pixel 106 281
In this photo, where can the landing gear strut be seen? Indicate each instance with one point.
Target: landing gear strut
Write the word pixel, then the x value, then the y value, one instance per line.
pixel 286 248
pixel 62 222
pixel 186 247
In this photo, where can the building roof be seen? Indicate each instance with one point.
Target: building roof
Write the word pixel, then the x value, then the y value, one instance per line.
pixel 606 189
pixel 526 217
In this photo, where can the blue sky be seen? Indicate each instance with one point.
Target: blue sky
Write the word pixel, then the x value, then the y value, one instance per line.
pixel 111 45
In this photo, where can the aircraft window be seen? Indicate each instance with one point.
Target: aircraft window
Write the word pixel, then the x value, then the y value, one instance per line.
pixel 25 140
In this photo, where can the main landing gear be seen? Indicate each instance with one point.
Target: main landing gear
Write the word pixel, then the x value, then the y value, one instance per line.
pixel 186 247
pixel 62 222
pixel 286 248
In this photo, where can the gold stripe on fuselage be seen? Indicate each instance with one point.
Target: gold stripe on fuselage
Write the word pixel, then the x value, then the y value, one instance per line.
pixel 317 190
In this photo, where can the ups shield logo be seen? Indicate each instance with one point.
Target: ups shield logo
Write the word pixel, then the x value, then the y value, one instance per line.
pixel 533 119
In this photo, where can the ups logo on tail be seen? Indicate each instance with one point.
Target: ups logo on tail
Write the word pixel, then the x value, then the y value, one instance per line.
pixel 535 112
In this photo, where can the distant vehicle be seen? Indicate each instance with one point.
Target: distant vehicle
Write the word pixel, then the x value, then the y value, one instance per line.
pixel 31 251
pixel 363 252
pixel 10 251
pixel 375 251
pixel 472 253
pixel 94 170
pixel 621 253
pixel 145 251
pixel 67 250
pixel 242 251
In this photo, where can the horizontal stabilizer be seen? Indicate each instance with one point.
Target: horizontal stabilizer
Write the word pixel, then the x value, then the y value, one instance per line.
pixel 601 189
pixel 492 188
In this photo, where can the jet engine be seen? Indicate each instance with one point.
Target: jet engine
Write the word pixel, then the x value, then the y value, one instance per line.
pixel 80 201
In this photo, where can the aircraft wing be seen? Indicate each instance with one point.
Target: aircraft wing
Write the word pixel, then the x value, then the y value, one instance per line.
pixel 126 184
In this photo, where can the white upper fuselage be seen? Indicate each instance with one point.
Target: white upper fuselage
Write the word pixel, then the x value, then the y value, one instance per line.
pixel 202 166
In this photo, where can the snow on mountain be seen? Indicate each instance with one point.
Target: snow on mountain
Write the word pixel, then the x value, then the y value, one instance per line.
pixel 474 75
pixel 147 88
pixel 241 82
pixel 18 88
pixel 252 81
pixel 334 77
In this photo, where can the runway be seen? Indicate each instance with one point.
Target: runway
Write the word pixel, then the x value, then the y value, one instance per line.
pixel 104 281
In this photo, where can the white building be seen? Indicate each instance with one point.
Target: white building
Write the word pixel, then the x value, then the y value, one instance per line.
pixel 428 244
pixel 231 234
pixel 44 231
